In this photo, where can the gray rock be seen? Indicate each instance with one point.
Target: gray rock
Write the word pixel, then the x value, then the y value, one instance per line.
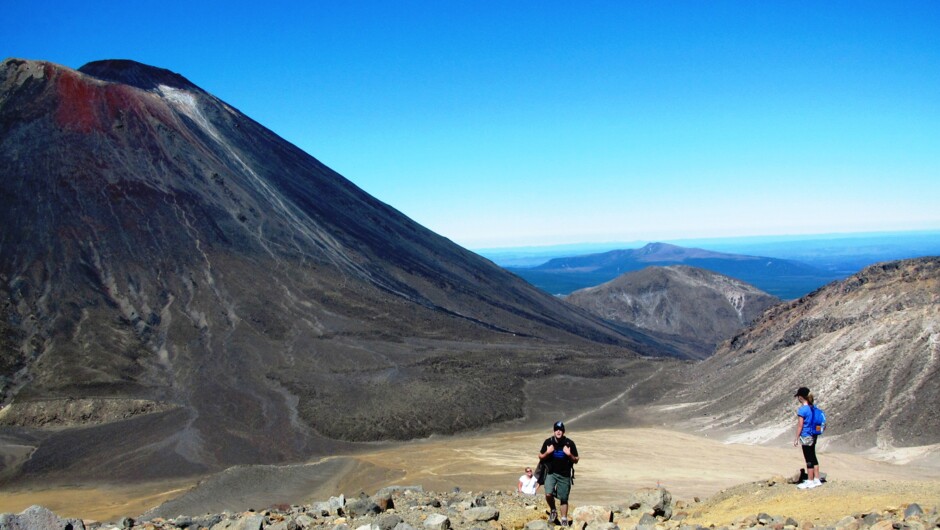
pixel 323 509
pixel 870 519
pixel 38 518
pixel 383 500
pixel 848 523
pixel 361 507
pixel 913 510
pixel 387 521
pixel 658 501
pixel 592 515
pixel 482 513
pixel 437 521
pixel 252 522
pixel 647 520
pixel 304 521
pixel 605 526
pixel 336 504
pixel 404 526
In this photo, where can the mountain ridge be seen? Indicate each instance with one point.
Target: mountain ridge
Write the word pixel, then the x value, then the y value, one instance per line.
pixel 701 306
pixel 779 277
pixel 868 347
pixel 159 245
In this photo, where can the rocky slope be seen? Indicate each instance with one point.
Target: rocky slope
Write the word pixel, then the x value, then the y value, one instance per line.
pixel 173 266
pixel 701 306
pixel 771 504
pixel 868 347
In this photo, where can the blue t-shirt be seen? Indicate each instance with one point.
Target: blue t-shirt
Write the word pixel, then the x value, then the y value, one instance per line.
pixel 806 412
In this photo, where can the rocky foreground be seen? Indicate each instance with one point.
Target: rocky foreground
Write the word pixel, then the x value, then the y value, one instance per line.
pixel 412 508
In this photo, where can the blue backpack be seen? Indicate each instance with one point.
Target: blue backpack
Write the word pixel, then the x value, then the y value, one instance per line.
pixel 818 421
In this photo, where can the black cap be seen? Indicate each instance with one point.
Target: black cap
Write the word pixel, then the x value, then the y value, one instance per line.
pixel 559 426
pixel 802 392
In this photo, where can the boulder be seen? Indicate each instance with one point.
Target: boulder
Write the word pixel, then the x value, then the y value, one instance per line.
pixel 592 515
pixel 437 521
pixel 870 519
pixel 38 518
pixel 913 510
pixel 336 504
pixel 848 523
pixel 387 521
pixel 482 513
pixel 383 500
pixel 656 501
pixel 361 507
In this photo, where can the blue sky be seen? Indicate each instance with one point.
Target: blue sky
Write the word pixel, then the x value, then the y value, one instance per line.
pixel 536 123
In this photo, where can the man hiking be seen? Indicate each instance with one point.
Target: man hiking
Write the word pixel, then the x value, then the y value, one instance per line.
pixel 560 454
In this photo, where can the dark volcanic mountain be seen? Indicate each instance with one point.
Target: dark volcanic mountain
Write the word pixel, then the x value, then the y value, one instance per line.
pixel 779 277
pixel 701 306
pixel 868 347
pixel 170 262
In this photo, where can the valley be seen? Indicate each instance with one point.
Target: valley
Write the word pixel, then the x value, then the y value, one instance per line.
pixel 615 461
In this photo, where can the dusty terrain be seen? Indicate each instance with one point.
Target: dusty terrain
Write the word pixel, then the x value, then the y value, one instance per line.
pixel 614 461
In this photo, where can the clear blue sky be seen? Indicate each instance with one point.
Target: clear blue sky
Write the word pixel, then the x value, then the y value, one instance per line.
pixel 501 123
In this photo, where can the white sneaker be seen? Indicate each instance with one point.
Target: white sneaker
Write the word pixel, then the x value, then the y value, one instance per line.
pixel 817 483
pixel 806 484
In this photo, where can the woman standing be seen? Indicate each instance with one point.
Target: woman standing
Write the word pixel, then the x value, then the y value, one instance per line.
pixel 528 484
pixel 806 437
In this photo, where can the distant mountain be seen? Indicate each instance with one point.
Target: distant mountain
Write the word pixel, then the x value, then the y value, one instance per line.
pixel 868 347
pixel 782 278
pixel 195 292
pixel 698 305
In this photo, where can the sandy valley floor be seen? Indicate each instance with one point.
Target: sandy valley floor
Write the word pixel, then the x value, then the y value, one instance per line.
pixel 613 461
